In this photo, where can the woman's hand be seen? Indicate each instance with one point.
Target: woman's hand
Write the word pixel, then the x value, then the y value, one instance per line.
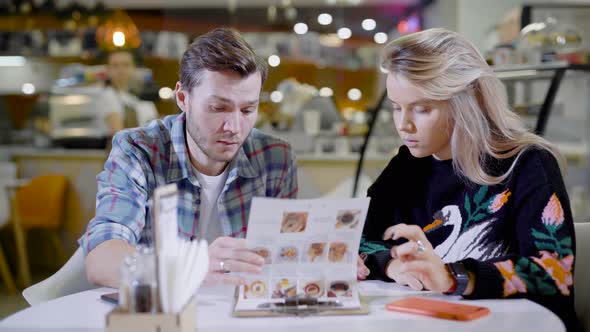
pixel 416 259
pixel 393 270
pixel 362 271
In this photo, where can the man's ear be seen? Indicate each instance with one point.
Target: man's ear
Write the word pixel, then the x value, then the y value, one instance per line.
pixel 181 97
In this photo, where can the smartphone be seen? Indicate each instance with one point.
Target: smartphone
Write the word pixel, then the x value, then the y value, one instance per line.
pixel 438 309
pixel 111 298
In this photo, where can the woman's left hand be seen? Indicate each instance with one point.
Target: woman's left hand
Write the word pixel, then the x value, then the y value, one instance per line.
pixel 418 257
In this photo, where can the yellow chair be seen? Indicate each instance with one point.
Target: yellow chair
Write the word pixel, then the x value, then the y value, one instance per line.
pixel 38 205
pixel 7 175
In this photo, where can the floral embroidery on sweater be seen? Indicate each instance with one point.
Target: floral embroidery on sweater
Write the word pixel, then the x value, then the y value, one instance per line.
pixel 553 269
pixel 483 208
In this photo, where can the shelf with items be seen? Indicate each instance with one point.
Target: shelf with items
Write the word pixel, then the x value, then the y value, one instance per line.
pixel 552 71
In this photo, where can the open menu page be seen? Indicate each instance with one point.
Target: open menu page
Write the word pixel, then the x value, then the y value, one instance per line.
pixel 310 247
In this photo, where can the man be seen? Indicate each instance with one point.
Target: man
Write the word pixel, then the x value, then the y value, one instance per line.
pixel 122 109
pixel 210 150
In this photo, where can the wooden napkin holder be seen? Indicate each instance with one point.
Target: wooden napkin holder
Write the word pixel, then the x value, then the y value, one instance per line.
pixel 122 321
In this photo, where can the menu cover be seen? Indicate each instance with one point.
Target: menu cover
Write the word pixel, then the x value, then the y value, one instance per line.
pixel 310 248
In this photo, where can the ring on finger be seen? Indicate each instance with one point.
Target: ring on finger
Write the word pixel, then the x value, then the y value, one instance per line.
pixel 420 246
pixel 222 267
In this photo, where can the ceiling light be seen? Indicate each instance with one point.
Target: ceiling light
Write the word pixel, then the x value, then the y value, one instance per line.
pixel 28 88
pixel 354 94
pixel 300 28
pixel 276 96
pixel 369 24
pixel 274 60
pixel 165 93
pixel 324 19
pixel 344 33
pixel 326 92
pixel 380 38
pixel 118 38
pixel 12 61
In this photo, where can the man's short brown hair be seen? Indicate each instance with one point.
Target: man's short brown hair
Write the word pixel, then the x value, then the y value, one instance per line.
pixel 218 50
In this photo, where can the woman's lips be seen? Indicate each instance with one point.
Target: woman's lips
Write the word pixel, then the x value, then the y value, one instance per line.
pixel 410 143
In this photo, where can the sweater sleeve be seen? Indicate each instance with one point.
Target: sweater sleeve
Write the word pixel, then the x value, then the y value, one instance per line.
pixel 379 216
pixel 384 212
pixel 542 260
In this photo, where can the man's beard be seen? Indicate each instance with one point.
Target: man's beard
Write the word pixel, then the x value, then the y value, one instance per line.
pixel 201 143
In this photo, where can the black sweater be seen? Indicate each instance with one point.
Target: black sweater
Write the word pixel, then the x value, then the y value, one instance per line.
pixel 516 237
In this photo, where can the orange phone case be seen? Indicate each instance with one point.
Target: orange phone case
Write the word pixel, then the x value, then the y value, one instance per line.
pixel 437 308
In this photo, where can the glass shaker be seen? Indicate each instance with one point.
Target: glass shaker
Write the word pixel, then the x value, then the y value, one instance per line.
pixel 143 282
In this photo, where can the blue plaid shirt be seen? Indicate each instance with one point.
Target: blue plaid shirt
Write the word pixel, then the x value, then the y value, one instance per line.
pixel 144 158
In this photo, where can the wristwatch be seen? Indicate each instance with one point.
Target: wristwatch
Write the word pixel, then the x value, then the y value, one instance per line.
pixel 459 273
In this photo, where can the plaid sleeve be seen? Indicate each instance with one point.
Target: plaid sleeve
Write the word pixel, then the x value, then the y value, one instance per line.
pixel 121 197
pixel 289 187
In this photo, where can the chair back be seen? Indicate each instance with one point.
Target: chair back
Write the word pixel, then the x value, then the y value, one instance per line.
pixel 70 279
pixel 41 203
pixel 582 273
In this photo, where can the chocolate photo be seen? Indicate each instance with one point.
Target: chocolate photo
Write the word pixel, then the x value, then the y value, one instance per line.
pixel 294 222
pixel 347 219
pixel 339 289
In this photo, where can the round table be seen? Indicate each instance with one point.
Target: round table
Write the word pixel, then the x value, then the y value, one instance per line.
pixel 85 311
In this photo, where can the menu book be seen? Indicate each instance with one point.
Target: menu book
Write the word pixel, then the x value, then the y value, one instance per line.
pixel 310 248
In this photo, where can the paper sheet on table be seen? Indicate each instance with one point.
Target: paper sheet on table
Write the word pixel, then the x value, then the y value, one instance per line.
pixel 380 288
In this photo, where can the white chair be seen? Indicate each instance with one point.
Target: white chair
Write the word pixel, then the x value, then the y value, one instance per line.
pixel 582 273
pixel 70 279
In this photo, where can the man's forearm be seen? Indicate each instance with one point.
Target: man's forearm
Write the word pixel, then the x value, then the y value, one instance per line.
pixel 104 262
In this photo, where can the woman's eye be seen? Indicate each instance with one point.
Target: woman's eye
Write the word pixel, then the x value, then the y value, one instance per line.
pixel 420 109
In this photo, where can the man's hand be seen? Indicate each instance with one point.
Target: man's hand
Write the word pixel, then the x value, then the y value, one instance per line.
pixel 235 257
pixel 103 263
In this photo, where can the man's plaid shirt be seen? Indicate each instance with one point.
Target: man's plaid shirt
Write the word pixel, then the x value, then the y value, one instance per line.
pixel 144 158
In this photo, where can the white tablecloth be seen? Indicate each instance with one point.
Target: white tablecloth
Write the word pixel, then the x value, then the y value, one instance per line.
pixel 86 312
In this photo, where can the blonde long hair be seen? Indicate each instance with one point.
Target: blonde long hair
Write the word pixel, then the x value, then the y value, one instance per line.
pixel 445 66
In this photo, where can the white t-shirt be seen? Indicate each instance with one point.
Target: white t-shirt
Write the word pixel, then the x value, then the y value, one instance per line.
pixel 209 222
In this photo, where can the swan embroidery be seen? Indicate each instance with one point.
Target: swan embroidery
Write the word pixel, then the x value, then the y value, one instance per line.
pixel 470 239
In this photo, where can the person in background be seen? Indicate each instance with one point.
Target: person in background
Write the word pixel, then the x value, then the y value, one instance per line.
pixel 473 204
pixel 210 151
pixel 122 108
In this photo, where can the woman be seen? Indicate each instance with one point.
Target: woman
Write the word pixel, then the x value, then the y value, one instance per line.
pixel 473 204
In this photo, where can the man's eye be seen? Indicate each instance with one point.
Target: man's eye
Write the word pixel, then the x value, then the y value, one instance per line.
pixel 248 110
pixel 218 108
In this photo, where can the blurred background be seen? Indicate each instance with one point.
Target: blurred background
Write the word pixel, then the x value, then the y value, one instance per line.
pixel 66 66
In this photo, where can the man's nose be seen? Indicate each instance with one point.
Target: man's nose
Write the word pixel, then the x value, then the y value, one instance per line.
pixel 232 122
